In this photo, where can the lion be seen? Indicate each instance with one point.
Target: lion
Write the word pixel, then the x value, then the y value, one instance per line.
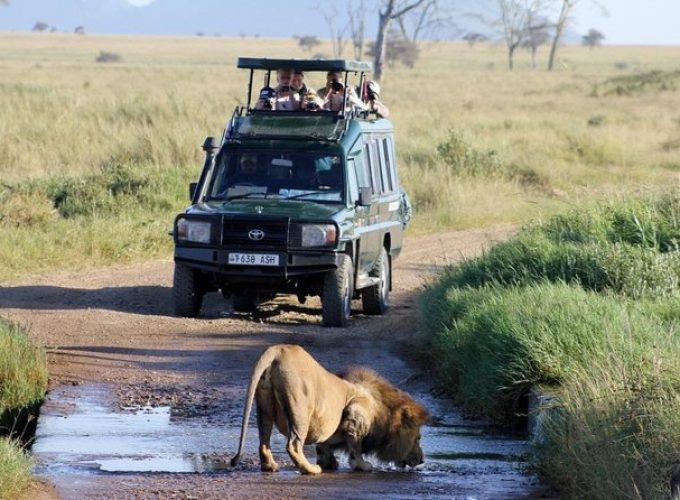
pixel 359 413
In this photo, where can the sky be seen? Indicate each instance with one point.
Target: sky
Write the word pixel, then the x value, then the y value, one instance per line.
pixel 653 22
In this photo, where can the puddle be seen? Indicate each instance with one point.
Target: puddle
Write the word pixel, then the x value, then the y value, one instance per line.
pixel 79 431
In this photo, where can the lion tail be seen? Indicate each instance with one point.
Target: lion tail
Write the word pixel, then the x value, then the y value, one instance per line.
pixel 264 362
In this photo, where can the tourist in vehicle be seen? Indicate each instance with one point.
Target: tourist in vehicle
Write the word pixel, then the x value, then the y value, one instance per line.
pixel 309 100
pixel 333 94
pixel 247 172
pixel 375 105
pixel 283 97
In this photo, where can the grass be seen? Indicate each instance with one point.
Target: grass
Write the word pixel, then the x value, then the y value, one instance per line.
pixel 23 383
pixel 15 470
pixel 588 301
pixel 476 144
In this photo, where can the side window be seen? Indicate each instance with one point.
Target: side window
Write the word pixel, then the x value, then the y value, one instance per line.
pixel 363 169
pixel 388 168
pixel 375 167
pixel 389 151
pixel 352 182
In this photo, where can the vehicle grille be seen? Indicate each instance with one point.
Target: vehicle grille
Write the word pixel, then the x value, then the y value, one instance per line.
pixel 235 233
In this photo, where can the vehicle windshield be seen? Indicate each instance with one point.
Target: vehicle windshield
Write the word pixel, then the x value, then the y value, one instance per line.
pixel 258 174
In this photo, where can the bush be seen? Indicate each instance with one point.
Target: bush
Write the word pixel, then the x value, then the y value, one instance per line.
pixel 465 160
pixel 23 371
pixel 15 470
pixel 108 57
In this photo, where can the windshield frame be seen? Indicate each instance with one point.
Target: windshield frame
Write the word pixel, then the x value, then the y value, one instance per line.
pixel 216 175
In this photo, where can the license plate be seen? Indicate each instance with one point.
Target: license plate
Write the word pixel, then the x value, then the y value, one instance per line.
pixel 253 259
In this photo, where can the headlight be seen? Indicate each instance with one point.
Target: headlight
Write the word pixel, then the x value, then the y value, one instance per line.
pixel 319 235
pixel 193 230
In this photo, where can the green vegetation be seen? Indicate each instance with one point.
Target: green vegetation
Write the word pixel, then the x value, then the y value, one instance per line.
pixel 95 158
pixel 15 470
pixel 23 383
pixel 588 301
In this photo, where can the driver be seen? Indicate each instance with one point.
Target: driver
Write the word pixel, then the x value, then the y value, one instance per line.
pixel 247 170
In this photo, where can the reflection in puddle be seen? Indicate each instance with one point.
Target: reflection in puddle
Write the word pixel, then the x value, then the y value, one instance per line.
pixel 79 432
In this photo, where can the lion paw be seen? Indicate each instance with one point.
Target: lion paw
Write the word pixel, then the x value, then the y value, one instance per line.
pixel 311 469
pixel 269 467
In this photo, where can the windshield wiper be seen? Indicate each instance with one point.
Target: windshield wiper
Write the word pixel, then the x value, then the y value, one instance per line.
pixel 240 196
pixel 301 195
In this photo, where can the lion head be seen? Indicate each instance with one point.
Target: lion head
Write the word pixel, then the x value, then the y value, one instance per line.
pixel 394 434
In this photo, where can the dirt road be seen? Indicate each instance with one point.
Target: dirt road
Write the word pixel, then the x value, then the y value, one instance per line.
pixel 143 404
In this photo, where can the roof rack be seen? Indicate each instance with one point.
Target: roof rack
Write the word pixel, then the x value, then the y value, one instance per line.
pixel 304 64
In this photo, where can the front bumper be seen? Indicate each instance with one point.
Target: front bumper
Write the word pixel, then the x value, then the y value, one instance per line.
pixel 292 263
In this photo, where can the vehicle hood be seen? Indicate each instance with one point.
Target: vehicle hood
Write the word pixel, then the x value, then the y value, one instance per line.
pixel 268 208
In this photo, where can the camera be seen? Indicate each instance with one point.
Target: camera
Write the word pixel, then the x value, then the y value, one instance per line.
pixel 337 86
pixel 312 106
pixel 284 88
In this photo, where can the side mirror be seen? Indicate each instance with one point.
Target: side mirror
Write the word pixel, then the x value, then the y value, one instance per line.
pixel 192 190
pixel 210 145
pixel 365 196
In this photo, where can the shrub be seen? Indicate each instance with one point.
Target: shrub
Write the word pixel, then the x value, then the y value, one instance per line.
pixel 23 371
pixel 465 160
pixel 108 57
pixel 15 470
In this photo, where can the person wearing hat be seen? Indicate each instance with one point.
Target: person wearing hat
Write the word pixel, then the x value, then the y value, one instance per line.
pixel 375 105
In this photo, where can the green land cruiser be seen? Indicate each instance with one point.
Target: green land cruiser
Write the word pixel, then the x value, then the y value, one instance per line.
pixel 294 202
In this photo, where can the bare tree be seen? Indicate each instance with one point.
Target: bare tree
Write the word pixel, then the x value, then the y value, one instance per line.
pixel 336 30
pixel 513 21
pixel 563 20
pixel 593 38
pixel 390 10
pixel 356 13
pixel 537 34
pixel 429 20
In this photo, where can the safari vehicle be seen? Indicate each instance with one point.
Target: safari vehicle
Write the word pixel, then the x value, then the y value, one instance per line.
pixel 294 202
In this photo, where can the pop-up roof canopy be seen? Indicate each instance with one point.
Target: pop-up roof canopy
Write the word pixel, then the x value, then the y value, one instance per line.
pixel 304 64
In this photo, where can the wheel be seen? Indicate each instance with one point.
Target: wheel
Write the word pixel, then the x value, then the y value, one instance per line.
pixel 187 291
pixel 336 296
pixel 242 302
pixel 376 299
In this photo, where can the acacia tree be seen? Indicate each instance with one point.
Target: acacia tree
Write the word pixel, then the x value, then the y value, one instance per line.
pixel 356 15
pixel 390 10
pixel 513 21
pixel 593 38
pixel 337 31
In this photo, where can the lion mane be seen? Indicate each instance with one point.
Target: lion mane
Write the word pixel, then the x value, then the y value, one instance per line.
pixel 358 412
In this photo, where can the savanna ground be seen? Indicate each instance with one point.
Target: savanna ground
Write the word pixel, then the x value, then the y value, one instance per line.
pixel 95 158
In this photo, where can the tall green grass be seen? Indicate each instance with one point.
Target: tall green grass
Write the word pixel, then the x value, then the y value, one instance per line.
pixel 15 470
pixel 23 383
pixel 588 301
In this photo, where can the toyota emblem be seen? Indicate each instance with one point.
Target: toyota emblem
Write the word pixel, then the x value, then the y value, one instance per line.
pixel 256 234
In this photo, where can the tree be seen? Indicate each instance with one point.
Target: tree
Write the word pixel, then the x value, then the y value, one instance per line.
pixel 390 10
pixel 308 42
pixel 357 26
pixel 593 38
pixel 513 22
pixel 537 34
pixel 472 38
pixel 337 32
pixel 80 30
pixel 41 26
pixel 567 6
pixel 397 49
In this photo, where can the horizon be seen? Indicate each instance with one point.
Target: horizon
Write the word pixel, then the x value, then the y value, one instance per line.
pixel 625 24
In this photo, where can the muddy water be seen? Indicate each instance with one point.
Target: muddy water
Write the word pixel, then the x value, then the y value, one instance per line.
pixel 83 436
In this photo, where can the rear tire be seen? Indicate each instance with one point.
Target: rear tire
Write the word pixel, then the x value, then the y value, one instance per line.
pixel 338 289
pixel 376 299
pixel 187 291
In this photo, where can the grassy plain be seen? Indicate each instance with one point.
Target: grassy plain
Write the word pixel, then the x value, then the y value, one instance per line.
pixel 67 122
pixel 588 301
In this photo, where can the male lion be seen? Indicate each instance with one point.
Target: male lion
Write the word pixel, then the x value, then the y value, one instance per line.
pixel 359 413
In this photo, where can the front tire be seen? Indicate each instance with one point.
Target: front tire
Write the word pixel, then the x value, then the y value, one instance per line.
pixel 336 298
pixel 376 299
pixel 187 291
